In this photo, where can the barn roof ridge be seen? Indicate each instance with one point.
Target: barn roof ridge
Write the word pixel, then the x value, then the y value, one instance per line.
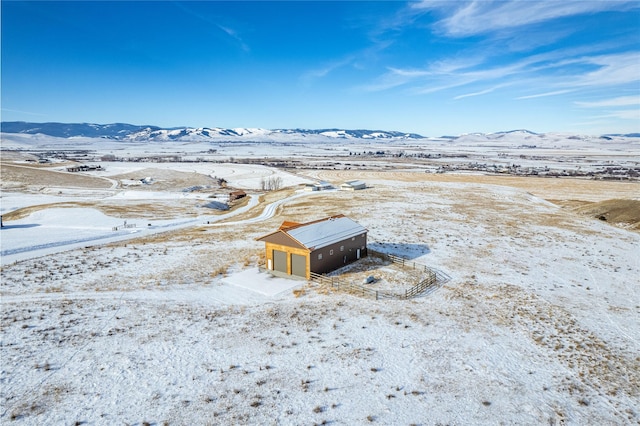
pixel 295 225
pixel 316 234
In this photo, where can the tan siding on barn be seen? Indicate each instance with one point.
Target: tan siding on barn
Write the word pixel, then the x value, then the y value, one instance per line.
pixel 270 247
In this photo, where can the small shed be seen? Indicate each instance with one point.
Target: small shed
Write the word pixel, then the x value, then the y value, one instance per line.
pixel 321 246
pixel 353 185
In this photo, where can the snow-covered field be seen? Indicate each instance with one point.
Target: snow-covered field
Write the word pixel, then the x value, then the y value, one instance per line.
pixel 170 322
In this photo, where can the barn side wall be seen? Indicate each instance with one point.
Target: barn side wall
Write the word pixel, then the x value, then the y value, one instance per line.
pixel 339 254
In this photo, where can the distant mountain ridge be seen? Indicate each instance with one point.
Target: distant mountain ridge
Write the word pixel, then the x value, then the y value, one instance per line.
pixel 141 133
pixel 68 130
pixel 124 131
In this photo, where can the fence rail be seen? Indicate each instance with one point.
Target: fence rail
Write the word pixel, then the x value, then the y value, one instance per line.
pixel 431 281
pixel 407 263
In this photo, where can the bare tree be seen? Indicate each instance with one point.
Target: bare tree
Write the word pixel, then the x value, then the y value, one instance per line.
pixel 273 183
pixel 276 182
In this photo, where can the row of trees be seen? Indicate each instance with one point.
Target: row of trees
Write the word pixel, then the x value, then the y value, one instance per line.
pixel 273 183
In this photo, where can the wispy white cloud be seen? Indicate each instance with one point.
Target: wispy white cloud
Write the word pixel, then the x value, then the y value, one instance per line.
pixel 468 95
pixel 612 69
pixel 323 71
pixel 439 75
pixel 609 116
pixel 503 48
pixel 484 16
pixel 626 114
pixel 447 74
pixel 359 59
pixel 551 74
pixel 614 102
pixel 542 95
pixel 395 77
pixel 235 35
pixel 610 104
pixel 481 92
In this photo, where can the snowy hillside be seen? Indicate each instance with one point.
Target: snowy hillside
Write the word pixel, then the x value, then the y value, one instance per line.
pixel 127 299
pixel 526 138
pixel 119 132
pixel 131 132
pixel 537 325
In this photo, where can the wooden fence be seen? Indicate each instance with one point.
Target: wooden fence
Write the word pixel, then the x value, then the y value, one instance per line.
pixel 337 284
pixel 430 282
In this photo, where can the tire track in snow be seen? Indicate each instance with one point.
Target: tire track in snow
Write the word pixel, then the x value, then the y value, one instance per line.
pixel 269 210
pixel 60 243
pixel 11 255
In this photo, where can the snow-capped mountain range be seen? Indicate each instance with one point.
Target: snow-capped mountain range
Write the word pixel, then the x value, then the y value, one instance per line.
pixel 137 133
pixel 129 132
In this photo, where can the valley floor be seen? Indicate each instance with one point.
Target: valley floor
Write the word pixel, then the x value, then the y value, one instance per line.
pixel 539 323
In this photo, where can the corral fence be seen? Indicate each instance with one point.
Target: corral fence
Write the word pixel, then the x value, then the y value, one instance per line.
pixel 430 281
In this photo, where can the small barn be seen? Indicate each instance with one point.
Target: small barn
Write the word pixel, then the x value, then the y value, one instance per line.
pixel 353 185
pixel 320 246
pixel 236 195
pixel 318 186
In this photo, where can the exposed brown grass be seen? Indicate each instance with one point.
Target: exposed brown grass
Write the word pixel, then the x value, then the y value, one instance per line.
pixel 620 212
pixel 169 180
pixel 26 211
pixel 138 210
pixel 26 176
pixel 156 210
pixel 547 188
pixel 18 156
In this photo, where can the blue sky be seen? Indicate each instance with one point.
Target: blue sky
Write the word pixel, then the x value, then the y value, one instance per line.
pixel 434 67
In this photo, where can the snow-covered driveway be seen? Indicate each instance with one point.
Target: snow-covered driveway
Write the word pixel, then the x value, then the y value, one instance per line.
pixel 57 229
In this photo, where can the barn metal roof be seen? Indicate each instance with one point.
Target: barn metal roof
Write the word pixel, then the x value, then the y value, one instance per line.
pixel 315 235
pixel 354 183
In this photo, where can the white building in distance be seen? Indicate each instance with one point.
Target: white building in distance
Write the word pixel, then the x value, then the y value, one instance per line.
pixel 353 185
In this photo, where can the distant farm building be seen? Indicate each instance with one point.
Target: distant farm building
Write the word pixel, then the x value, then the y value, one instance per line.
pixel 321 246
pixel 318 186
pixel 131 182
pixel 236 195
pixel 353 185
pixel 84 168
